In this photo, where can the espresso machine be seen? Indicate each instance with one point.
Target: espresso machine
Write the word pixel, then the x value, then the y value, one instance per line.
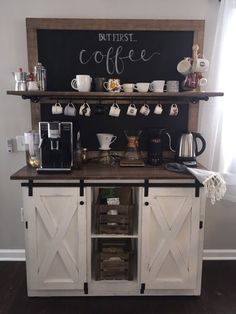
pixel 56 146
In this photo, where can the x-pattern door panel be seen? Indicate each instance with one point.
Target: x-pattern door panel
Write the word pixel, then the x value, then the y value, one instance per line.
pixel 57 239
pixel 170 238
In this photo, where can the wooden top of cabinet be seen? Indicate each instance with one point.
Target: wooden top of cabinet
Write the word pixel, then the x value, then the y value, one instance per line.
pixel 101 172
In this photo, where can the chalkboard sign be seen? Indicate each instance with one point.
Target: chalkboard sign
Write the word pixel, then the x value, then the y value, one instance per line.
pixel 131 50
pixel 132 56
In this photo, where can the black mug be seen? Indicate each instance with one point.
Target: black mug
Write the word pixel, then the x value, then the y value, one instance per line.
pixel 99 109
pixel 98 84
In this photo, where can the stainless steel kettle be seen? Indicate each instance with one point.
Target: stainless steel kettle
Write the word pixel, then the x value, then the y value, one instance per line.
pixel 187 148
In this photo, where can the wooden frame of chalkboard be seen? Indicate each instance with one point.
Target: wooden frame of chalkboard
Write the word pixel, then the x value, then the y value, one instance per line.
pixel 126 30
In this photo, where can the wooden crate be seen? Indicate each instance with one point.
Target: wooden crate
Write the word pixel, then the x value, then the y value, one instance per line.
pixel 114 260
pixel 115 219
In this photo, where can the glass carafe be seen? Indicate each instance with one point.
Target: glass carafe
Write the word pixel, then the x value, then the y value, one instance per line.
pixel 132 150
pixel 32 149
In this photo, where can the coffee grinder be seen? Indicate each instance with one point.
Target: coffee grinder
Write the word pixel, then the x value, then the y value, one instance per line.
pixel 56 146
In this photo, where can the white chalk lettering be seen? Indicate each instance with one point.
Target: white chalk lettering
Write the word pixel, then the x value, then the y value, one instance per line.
pixel 113 58
pixel 116 37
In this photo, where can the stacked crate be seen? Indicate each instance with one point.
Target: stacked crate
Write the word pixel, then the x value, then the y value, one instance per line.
pixel 114 259
pixel 114 212
pixel 114 219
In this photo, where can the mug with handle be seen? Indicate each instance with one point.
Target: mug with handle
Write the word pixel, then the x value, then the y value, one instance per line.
pixel 145 110
pixel 157 86
pixel 85 110
pixel 70 110
pixel 114 110
pixel 82 83
pixel 132 110
pixel 57 108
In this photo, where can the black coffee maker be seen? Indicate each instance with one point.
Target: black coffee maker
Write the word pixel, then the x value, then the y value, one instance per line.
pixel 155 145
pixel 56 146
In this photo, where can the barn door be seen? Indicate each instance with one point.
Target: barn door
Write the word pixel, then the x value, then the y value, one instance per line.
pixel 56 239
pixel 170 239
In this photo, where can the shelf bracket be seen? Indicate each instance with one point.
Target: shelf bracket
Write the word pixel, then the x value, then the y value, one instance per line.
pixel 34 99
pixel 195 100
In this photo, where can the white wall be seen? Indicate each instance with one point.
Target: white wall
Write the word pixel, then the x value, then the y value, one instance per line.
pixel 15 113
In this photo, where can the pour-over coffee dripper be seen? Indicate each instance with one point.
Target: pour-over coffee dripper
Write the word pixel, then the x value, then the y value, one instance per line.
pixel 105 140
pixel 132 156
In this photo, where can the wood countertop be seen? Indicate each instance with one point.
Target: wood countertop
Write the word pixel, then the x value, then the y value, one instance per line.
pixel 100 172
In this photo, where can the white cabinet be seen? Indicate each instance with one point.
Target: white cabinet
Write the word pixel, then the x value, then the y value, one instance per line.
pixel 55 236
pixel 61 243
pixel 171 241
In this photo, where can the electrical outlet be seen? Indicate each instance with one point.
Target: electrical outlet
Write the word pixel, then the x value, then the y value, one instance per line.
pixel 22 214
pixel 10 145
pixel 20 143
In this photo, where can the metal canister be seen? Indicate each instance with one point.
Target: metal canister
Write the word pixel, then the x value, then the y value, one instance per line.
pixel 40 76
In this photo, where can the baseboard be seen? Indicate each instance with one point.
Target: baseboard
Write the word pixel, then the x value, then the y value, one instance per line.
pixel 12 255
pixel 216 255
pixel 19 255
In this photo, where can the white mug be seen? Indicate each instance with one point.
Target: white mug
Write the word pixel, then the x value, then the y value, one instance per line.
pixel 184 67
pixel 157 86
pixel 57 108
pixel 114 110
pixel 145 110
pixel 112 85
pixel 174 110
pixel 202 83
pixel 132 110
pixel 70 110
pixel 200 65
pixel 82 83
pixel 127 87
pixel 172 86
pixel 85 110
pixel 158 109
pixel 141 87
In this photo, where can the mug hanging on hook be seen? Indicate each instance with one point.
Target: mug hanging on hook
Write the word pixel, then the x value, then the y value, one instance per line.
pixel 70 109
pixel 114 110
pixel 174 110
pixel 99 108
pixel 144 110
pixel 57 108
pixel 85 109
pixel 158 109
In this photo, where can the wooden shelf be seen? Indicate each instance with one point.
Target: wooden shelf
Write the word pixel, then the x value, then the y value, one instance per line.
pixel 36 96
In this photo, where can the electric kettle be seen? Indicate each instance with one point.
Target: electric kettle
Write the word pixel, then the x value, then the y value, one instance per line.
pixel 187 148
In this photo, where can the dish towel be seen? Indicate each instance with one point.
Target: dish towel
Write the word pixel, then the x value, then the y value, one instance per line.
pixel 213 182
